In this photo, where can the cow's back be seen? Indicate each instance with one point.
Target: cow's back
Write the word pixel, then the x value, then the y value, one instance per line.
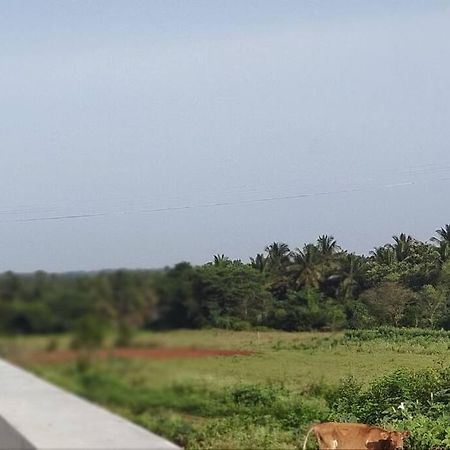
pixel 347 436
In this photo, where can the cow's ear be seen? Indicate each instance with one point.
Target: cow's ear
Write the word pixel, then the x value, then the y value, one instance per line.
pixel 385 435
pixel 405 434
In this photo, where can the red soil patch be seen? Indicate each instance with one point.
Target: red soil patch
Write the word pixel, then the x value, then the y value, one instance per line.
pixel 136 352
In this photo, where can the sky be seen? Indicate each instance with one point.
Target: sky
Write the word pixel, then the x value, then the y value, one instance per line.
pixel 138 134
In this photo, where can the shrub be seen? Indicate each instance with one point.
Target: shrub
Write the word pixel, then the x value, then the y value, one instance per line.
pixel 427 433
pixel 89 333
pixel 172 426
pixel 255 395
pixel 416 401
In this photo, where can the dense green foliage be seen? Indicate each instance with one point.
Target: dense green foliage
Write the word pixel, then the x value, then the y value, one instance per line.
pixel 319 286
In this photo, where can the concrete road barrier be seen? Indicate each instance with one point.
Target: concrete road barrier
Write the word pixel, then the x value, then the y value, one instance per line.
pixel 37 415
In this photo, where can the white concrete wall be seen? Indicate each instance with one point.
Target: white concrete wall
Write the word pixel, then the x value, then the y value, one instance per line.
pixel 35 414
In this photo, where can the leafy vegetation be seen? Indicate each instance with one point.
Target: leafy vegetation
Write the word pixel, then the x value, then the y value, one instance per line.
pixel 318 286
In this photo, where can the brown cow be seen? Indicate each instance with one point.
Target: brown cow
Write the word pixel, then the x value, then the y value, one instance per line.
pixel 355 436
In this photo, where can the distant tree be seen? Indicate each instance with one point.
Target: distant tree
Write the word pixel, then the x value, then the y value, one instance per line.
pixel 259 262
pixel 443 233
pixel 402 246
pixel 388 302
pixel 444 276
pixel 231 294
pixel 133 302
pixel 351 276
pixel 10 285
pixel 89 333
pixel 421 267
pixel 405 282
pixel 383 255
pixel 444 251
pixel 275 265
pixel 178 307
pixel 327 245
pixel 432 305
pixel 307 267
pixel 278 256
pixel 220 260
pixel 443 242
pixel 307 310
pixel 411 262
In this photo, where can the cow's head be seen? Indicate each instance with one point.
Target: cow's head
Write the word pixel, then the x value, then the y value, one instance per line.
pixel 395 439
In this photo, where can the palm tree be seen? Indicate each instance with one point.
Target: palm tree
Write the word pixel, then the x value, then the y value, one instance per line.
pixel 221 260
pixel 443 242
pixel 444 235
pixel 444 251
pixel 258 262
pixel 327 245
pixel 278 256
pixel 353 269
pixel 307 266
pixel 383 255
pixel 402 246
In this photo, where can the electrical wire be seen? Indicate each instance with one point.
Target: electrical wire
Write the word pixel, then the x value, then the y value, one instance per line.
pixel 215 204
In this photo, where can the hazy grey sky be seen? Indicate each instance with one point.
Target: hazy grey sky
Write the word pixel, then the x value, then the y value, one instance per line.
pixel 183 129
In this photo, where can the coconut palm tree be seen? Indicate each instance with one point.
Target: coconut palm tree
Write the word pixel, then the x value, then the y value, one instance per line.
pixel 444 251
pixel 307 266
pixel 327 245
pixel 383 255
pixel 221 260
pixel 402 246
pixel 353 269
pixel 258 262
pixel 278 256
pixel 444 235
pixel 443 242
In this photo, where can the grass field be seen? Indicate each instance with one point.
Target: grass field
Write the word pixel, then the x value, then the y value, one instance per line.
pixel 264 400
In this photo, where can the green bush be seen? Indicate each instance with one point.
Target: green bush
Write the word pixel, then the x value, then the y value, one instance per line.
pixel 171 425
pixel 397 334
pixel 416 401
pixel 89 333
pixel 427 433
pixel 255 395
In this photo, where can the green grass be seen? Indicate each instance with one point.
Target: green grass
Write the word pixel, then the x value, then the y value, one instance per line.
pixel 265 400
pixel 293 359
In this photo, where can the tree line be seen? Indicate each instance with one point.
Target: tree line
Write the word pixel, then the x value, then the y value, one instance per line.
pixel 319 286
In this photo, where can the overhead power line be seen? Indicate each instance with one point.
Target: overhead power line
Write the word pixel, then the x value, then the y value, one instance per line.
pixel 281 197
